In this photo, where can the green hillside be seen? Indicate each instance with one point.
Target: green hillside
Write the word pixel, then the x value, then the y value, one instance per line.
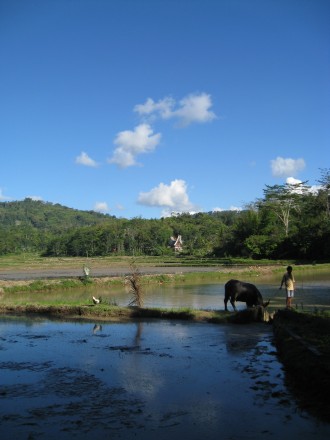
pixel 46 216
pixel 290 222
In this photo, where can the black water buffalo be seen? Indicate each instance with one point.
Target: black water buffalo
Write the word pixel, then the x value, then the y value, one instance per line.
pixel 238 291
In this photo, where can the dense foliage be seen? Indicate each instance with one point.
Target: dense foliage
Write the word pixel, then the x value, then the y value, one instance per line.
pixel 290 221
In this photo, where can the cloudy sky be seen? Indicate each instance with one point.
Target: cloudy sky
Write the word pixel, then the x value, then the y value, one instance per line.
pixel 144 107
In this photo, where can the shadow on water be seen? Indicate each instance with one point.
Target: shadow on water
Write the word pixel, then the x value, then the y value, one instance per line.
pixel 145 379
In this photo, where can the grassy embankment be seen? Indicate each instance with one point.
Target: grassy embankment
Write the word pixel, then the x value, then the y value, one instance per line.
pixel 303 343
pixel 29 262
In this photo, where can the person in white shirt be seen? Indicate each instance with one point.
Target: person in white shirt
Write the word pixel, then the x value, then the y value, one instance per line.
pixel 288 280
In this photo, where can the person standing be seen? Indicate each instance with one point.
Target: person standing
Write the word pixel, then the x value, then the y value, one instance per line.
pixel 288 280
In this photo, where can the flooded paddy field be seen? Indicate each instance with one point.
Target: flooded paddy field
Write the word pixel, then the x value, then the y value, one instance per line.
pixel 151 379
pixel 145 380
pixel 312 293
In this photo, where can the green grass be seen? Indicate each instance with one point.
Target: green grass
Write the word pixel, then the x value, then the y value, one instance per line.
pixel 31 260
pixel 44 286
pixel 112 312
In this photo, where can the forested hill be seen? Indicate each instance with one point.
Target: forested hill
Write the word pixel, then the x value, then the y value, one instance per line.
pixel 290 222
pixel 55 230
pixel 46 216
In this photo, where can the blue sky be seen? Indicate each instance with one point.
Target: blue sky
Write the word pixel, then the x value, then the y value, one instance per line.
pixel 144 107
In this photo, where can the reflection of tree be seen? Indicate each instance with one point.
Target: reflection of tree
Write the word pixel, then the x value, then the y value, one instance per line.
pixel 139 328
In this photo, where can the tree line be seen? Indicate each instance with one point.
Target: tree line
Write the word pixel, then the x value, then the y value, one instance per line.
pixel 289 222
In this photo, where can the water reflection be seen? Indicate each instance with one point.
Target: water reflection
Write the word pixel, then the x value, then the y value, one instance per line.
pixel 173 378
pixel 138 334
pixel 97 328
pixel 311 292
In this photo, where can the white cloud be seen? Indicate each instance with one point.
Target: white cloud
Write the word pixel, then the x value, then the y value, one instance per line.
pixel 131 143
pixel 282 167
pixel 3 197
pixel 163 108
pixel 314 189
pixel 231 208
pixel 192 108
pixel 293 181
pixel 294 189
pixel 195 108
pixel 84 159
pixel 173 197
pixel 101 207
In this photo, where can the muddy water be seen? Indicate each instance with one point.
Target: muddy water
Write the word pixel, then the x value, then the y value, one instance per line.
pixel 145 380
pixel 312 292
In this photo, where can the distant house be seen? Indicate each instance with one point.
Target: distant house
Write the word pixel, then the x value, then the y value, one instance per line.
pixel 176 243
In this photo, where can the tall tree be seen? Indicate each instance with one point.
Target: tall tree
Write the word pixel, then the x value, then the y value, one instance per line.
pixel 324 181
pixel 282 200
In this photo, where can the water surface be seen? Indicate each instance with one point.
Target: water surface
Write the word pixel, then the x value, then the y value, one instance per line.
pixel 145 380
pixel 312 292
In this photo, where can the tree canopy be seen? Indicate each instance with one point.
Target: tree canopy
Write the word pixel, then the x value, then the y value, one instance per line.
pixel 290 221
